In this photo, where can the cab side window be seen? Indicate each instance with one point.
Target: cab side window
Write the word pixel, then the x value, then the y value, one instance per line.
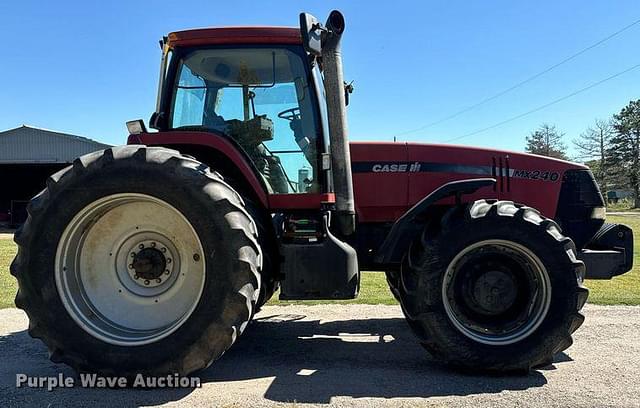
pixel 261 98
pixel 189 99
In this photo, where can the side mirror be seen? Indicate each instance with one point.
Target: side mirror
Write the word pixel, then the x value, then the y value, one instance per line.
pixel 157 121
pixel 311 31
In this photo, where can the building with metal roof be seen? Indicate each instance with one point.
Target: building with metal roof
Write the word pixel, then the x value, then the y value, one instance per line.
pixel 28 155
pixel 26 144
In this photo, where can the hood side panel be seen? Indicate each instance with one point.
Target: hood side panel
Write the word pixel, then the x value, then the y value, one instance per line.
pixel 385 186
pixel 379 195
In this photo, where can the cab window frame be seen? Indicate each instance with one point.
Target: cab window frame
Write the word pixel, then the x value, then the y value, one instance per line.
pixel 171 86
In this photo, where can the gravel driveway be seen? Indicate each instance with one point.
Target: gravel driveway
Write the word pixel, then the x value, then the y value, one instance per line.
pixel 356 355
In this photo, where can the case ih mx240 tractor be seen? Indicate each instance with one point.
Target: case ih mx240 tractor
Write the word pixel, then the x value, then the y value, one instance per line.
pixel 153 257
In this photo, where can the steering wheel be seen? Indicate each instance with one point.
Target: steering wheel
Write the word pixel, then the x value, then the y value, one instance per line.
pixel 290 114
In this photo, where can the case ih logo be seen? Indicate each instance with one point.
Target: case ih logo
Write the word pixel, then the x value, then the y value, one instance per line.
pixel 396 168
pixel 431 167
pixel 419 167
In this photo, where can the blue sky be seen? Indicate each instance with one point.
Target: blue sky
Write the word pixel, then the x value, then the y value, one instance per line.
pixel 87 67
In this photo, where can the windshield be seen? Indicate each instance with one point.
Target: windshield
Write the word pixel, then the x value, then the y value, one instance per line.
pixel 261 97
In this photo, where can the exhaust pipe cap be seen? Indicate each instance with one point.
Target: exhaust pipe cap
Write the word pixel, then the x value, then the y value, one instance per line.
pixel 335 22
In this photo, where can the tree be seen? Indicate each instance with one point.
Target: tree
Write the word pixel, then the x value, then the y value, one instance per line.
pixel 594 145
pixel 625 146
pixel 547 141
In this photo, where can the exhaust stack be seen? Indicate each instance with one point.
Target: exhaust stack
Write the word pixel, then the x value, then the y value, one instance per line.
pixel 325 43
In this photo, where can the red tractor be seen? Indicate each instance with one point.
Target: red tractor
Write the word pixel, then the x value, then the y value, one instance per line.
pixel 153 257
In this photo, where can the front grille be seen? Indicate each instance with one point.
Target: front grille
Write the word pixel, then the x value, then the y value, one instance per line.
pixel 579 195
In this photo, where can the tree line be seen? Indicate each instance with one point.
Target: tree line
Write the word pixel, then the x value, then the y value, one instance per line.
pixel 610 147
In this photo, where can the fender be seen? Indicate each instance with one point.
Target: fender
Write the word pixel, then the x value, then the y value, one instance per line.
pixel 221 144
pixel 406 229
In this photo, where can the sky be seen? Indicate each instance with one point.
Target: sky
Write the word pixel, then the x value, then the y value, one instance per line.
pixel 87 67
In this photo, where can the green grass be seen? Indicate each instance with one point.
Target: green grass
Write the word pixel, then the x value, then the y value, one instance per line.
pixel 623 205
pixel 373 289
pixel 8 285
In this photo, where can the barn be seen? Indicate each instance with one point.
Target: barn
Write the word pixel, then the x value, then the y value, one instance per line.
pixel 28 155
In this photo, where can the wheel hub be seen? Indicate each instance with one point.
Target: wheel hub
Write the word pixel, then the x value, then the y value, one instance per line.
pixel 151 262
pixel 494 292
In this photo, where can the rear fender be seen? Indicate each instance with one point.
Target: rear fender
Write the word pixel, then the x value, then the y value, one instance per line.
pixel 218 152
pixel 407 227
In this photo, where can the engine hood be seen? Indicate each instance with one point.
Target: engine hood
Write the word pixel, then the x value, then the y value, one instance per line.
pixel 391 176
pixel 458 155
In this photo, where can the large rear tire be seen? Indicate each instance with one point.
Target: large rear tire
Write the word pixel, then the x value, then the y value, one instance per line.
pixel 137 260
pixel 270 253
pixel 494 286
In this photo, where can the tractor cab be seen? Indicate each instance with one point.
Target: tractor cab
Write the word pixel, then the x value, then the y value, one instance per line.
pixel 277 95
pixel 263 98
pixel 256 95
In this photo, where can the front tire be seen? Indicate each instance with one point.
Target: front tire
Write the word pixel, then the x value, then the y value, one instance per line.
pixel 137 260
pixel 393 280
pixel 494 286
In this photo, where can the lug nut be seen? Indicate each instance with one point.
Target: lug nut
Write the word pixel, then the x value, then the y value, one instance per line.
pixel 196 257
pixel 133 254
pixel 163 249
pixel 153 244
pixel 146 282
pixel 158 280
pixel 130 266
pixel 168 260
pixel 166 272
pixel 141 246
pixel 136 276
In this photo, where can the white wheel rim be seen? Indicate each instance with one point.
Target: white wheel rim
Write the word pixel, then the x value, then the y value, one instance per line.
pixel 538 308
pixel 96 279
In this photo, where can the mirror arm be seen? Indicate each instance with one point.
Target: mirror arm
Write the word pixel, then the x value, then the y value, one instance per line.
pixel 348 90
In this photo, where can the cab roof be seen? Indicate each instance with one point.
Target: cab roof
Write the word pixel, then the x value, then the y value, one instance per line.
pixel 235 35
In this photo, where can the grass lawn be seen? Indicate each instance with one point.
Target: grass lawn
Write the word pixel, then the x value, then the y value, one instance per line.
pixel 373 291
pixel 7 282
pixel 623 205
pixel 621 290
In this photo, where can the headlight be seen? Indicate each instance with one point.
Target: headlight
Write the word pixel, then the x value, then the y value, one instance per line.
pixel 135 127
